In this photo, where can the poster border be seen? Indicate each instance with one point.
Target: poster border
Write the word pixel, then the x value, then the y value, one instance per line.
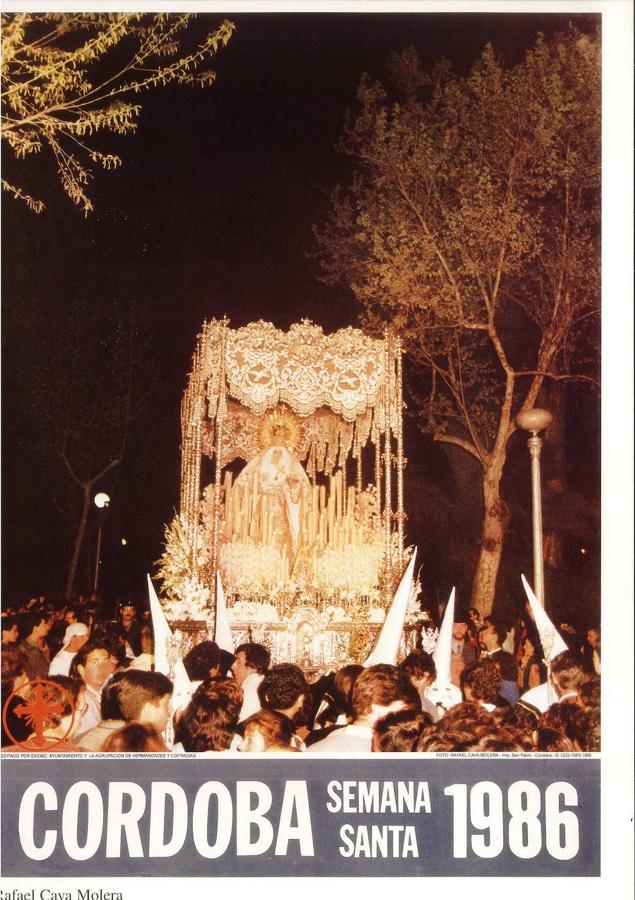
pixel 617 457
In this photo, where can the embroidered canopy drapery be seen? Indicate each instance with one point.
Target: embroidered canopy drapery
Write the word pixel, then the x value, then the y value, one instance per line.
pixel 330 395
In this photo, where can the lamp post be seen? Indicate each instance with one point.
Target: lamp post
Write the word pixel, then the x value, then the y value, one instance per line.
pixel 101 501
pixel 535 420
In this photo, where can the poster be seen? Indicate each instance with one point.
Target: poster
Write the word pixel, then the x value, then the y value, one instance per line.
pixel 94 828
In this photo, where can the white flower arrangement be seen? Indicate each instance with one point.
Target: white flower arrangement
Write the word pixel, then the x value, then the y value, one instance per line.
pixel 185 597
pixel 349 572
pixel 344 582
pixel 249 611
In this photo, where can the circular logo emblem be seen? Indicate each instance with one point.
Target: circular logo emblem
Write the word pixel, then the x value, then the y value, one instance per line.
pixel 39 705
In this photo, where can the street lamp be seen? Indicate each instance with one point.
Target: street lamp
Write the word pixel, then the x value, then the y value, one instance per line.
pixel 101 501
pixel 535 420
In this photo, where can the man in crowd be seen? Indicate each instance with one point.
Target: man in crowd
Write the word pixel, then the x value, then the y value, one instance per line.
pixel 145 697
pixel 202 661
pixel 419 667
pixel 491 637
pixel 111 716
pixel 378 691
pixel 462 653
pixel 92 664
pixel 568 672
pixel 249 667
pixel 481 683
pixel 130 626
pixel 36 628
pixel 285 690
pixel 75 637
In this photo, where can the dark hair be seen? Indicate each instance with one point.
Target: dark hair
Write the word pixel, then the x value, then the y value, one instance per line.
pixel 213 687
pixel 589 691
pixel 136 688
pixel 81 614
pixel 344 682
pixel 457 729
pixel 95 643
pixel 32 619
pixel 226 661
pixel 499 629
pixel 208 722
pixel 275 728
pixel 399 732
pixel 498 740
pixel 483 678
pixel 518 716
pixel 553 731
pixel 134 738
pixel 200 659
pixel 110 707
pixel 382 685
pixel 469 728
pixel 417 664
pixel 507 665
pixel 256 656
pixel 464 719
pixel 282 686
pixel 569 671
pixel 13 664
pixel 584 729
pixel 8 622
pixel 113 638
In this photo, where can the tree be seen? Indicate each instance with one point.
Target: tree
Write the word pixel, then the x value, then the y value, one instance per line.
pixel 471 224
pixel 68 76
pixel 90 385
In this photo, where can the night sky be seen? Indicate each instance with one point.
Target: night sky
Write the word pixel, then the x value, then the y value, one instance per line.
pixel 210 214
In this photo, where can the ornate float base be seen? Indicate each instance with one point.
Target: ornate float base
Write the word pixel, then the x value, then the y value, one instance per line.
pixel 302 640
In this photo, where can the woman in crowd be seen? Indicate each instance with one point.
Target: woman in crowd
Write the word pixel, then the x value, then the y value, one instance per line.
pixel 208 723
pixel 268 731
pixel 135 738
pixel 531 669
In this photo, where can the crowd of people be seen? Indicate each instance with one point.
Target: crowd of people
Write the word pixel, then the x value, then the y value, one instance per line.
pixel 102 694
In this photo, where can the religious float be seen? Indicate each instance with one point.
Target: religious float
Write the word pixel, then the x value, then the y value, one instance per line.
pixel 292 490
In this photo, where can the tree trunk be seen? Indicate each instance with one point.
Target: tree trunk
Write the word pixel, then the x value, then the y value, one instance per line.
pixel 79 540
pixel 495 522
pixel 554 468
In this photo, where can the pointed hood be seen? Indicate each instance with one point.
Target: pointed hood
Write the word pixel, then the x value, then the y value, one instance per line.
pixel 387 645
pixel 442 693
pixel 162 636
pixel 552 643
pixel 443 649
pixel 222 631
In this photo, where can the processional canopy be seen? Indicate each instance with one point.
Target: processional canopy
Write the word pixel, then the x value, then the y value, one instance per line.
pixel 314 519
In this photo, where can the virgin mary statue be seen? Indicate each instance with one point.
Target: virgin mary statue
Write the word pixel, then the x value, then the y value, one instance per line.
pixel 281 485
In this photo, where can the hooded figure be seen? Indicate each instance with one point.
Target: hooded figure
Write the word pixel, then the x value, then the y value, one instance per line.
pixel 542 697
pixel 75 637
pixel 442 693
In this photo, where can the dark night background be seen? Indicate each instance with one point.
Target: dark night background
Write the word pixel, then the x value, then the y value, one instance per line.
pixel 211 213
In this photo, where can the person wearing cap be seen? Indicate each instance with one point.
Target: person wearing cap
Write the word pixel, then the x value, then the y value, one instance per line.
pixel 132 633
pixel 75 637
